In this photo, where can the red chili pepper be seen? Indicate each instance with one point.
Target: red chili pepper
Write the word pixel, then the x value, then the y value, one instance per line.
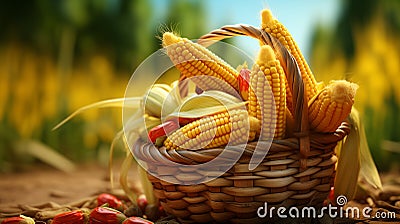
pixel 72 217
pixel 244 82
pixel 161 211
pixel 105 215
pixel 183 120
pixel 186 120
pixel 13 220
pixel 162 130
pixel 111 200
pixel 18 220
pixel 331 196
pixel 142 202
pixel 137 220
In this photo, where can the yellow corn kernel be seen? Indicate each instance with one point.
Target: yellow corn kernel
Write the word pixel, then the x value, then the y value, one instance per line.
pixel 289 98
pixel 276 29
pixel 215 131
pixel 267 71
pixel 331 106
pixel 197 62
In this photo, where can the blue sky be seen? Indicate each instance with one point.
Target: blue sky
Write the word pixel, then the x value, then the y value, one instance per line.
pixel 299 16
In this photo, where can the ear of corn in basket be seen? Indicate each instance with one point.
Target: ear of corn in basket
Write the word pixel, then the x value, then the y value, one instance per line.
pixel 193 108
pixel 278 30
pixel 267 95
pixel 331 106
pixel 215 131
pixel 208 71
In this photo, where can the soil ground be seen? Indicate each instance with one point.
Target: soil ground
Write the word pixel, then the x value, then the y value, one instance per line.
pixel 43 184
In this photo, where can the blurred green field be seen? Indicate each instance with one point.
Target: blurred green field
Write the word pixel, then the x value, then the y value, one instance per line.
pixel 57 56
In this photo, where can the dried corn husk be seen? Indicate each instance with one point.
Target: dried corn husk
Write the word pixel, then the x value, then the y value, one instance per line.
pixel 355 162
pixel 130 102
pixel 207 103
pixel 348 165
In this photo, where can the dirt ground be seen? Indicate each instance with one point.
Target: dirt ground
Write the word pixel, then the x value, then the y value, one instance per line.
pixel 43 184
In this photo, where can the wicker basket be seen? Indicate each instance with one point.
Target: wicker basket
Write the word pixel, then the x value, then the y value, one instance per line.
pixel 297 171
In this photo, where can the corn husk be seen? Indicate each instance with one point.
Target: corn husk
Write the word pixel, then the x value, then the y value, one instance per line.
pixel 38 150
pixel 132 102
pixel 368 172
pixel 147 186
pixel 348 166
pixel 355 163
pixel 205 104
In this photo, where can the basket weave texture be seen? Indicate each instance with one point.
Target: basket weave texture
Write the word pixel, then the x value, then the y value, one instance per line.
pixel 297 171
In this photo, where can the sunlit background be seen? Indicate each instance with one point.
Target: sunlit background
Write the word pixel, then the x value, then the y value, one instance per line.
pixel 57 56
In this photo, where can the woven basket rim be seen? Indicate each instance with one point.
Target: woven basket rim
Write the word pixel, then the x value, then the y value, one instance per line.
pixel 150 153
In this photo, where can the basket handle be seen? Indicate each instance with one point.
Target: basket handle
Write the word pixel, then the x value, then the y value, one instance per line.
pixel 292 72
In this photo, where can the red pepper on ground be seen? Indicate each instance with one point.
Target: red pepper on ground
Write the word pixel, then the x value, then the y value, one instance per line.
pixel 142 202
pixel 18 220
pixel 104 215
pixel 161 211
pixel 136 220
pixel 111 200
pixel 72 217
pixel 331 196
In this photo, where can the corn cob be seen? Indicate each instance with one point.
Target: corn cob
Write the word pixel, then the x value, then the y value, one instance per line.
pixel 195 61
pixel 276 29
pixel 331 106
pixel 215 131
pixel 267 71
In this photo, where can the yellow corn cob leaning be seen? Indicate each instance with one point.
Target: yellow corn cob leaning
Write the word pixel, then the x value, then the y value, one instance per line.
pixel 268 71
pixel 197 62
pixel 276 29
pixel 215 131
pixel 331 106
